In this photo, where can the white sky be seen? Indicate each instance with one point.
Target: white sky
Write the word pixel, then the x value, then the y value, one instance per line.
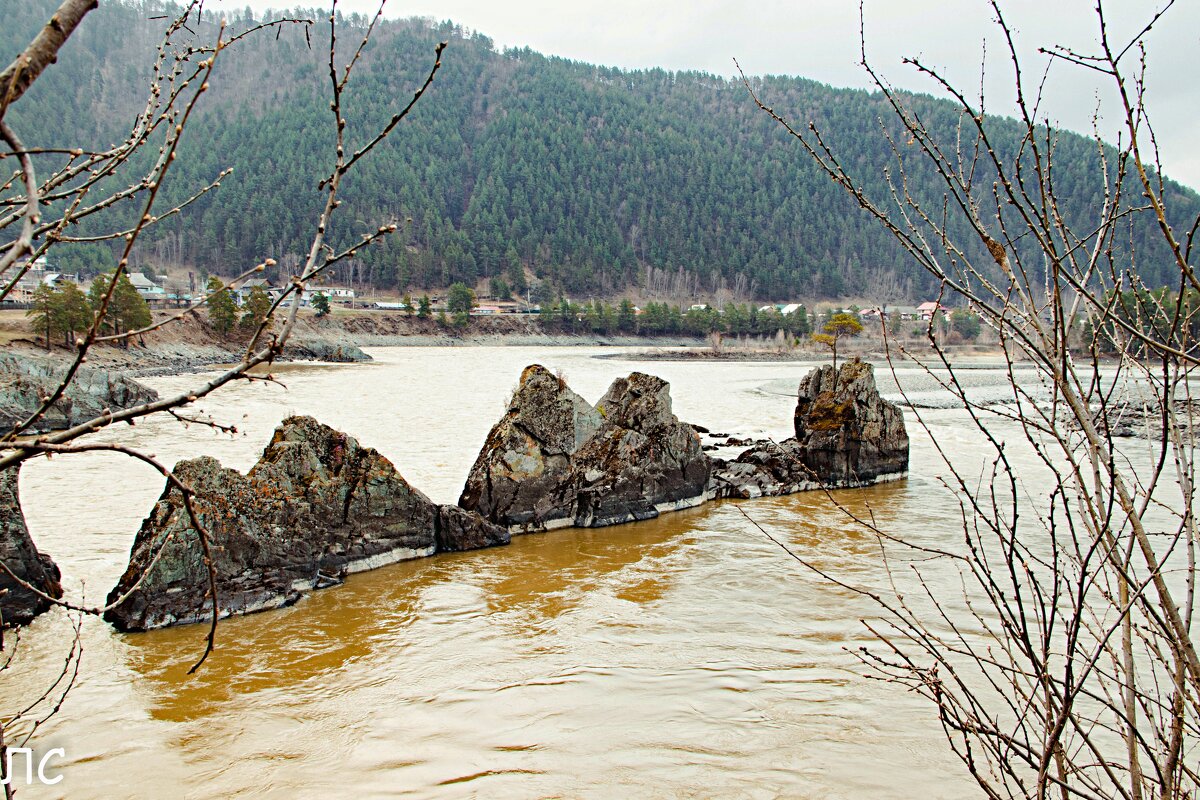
pixel 819 39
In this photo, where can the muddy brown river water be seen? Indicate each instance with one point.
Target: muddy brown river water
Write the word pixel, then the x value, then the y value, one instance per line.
pixel 682 657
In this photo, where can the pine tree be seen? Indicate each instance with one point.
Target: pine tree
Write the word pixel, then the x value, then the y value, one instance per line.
pixel 222 311
pixel 128 308
pixel 320 304
pixel 626 317
pixel 46 312
pixel 257 308
pixel 77 313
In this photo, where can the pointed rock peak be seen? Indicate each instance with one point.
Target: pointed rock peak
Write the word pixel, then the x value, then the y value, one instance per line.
pixel 546 409
pixel 302 447
pixel 315 507
pixel 522 474
pixel 642 461
pixel 637 401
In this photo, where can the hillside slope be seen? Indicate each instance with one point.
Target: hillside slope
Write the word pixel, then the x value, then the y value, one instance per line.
pixel 594 178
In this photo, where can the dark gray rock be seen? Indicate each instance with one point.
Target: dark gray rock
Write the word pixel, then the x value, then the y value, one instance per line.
pixel 767 469
pixel 523 477
pixel 327 347
pixel 459 529
pixel 25 380
pixel 19 605
pixel 846 436
pixel 315 507
pixel 555 460
pixel 641 461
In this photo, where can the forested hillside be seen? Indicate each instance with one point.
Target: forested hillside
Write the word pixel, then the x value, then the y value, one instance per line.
pixel 595 179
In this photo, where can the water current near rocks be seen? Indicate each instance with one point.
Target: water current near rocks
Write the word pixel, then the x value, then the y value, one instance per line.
pixel 686 656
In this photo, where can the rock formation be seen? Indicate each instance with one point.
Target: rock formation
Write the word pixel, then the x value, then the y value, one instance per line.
pixel 847 433
pixel 18 605
pixel 641 461
pixel 316 506
pixel 846 436
pixel 555 460
pixel 523 475
pixel 26 379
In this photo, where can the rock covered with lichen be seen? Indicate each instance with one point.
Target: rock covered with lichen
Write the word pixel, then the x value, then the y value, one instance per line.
pixel 847 435
pixel 18 604
pixel 554 459
pixel 316 506
pixel 641 461
pixel 523 476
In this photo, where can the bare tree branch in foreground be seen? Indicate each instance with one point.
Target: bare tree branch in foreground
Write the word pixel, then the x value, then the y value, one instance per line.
pixel 38 205
pixel 1064 664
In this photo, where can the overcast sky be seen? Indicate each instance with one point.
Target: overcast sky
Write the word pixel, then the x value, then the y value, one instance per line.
pixel 819 39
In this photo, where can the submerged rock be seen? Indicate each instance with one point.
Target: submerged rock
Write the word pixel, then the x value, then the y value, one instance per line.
pixel 19 605
pixel 316 506
pixel 523 475
pixel 641 461
pixel 555 460
pixel 846 436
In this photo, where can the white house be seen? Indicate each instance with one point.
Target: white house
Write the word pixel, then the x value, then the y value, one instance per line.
pixel 927 310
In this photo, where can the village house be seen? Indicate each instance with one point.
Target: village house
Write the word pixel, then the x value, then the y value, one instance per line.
pixel 906 313
pixel 242 293
pixel 336 294
pixel 150 291
pixel 38 274
pixel 929 309
pixel 786 309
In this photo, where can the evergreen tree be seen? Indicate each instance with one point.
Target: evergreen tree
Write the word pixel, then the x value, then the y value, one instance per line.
pixel 222 311
pixel 256 308
pixel 46 312
pixel 128 308
pixel 839 326
pixel 77 313
pixel 626 317
pixel 459 302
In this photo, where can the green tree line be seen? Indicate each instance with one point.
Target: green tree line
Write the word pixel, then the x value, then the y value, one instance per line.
pixel 594 179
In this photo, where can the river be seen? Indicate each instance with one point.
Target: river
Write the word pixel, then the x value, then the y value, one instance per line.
pixel 686 656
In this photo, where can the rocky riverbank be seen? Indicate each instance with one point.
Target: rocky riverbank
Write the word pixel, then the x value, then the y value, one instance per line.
pixel 29 373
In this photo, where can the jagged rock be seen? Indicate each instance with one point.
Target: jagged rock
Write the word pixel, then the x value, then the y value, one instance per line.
pixel 641 461
pixel 315 507
pixel 459 529
pixel 846 435
pixel 24 380
pixel 523 475
pixel 555 460
pixel 766 470
pixel 18 605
